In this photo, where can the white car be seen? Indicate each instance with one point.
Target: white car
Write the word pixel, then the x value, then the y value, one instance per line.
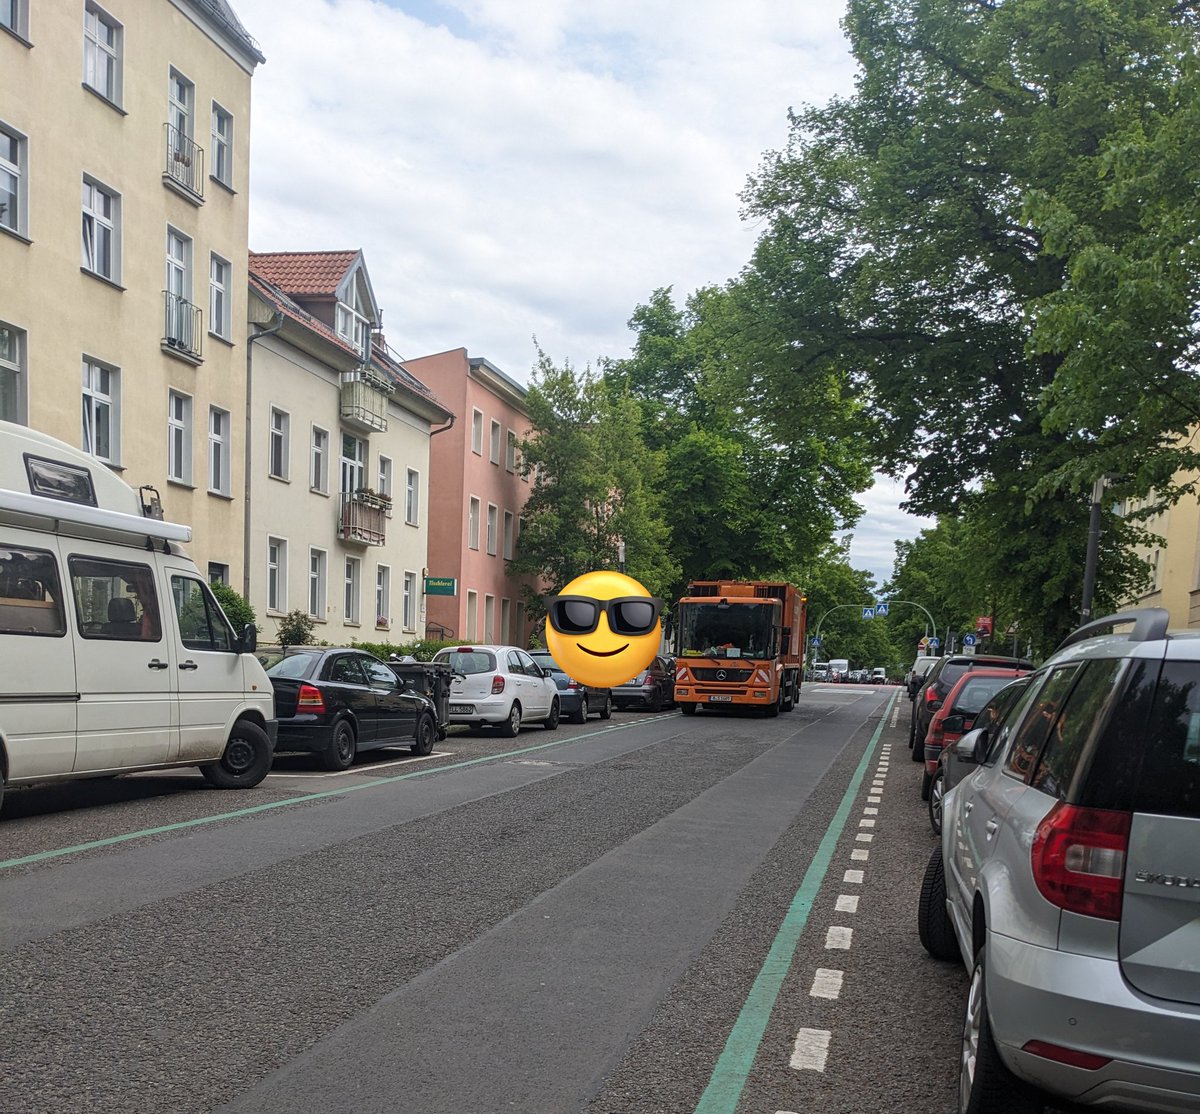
pixel 499 686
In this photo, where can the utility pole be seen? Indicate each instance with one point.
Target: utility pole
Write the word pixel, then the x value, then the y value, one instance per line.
pixel 1093 551
pixel 621 555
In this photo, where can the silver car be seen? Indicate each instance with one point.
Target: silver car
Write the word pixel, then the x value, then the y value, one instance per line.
pixel 1068 880
pixel 501 687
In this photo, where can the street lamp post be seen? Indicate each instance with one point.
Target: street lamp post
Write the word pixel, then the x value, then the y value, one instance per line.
pixel 1093 552
pixel 621 555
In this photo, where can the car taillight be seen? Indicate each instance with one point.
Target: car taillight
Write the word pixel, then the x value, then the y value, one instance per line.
pixel 936 735
pixel 497 685
pixel 573 684
pixel 931 695
pixel 1078 859
pixel 310 699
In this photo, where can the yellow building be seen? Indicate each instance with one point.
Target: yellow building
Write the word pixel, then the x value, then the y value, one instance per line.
pixel 1175 565
pixel 124 174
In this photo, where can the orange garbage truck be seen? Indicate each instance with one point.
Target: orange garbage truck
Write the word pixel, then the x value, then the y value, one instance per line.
pixel 739 643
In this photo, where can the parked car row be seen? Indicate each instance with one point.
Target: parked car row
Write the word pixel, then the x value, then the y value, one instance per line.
pixel 1066 876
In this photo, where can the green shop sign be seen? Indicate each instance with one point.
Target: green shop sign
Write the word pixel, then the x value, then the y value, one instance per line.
pixel 441 586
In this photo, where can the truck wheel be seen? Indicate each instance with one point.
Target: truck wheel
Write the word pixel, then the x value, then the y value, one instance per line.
pixel 246 760
pixel 773 709
pixel 425 734
pixel 687 707
pixel 790 701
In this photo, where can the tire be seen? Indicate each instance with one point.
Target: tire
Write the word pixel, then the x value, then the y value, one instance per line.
pixel 550 723
pixel 511 727
pixel 985 1085
pixel 790 701
pixel 580 715
pixel 656 701
pixel 926 781
pixel 343 747
pixel 777 707
pixel 606 709
pixel 937 790
pixel 424 736
pixel 246 761
pixel 933 921
pixel 918 749
pixel 688 708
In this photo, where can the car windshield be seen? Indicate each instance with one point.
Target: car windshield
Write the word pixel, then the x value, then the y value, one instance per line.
pixel 291 665
pixel 468 661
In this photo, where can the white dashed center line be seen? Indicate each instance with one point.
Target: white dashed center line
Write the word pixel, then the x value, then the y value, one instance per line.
pixel 853 877
pixel 811 1049
pixel 826 984
pixel 859 854
pixel 847 903
pixel 838 937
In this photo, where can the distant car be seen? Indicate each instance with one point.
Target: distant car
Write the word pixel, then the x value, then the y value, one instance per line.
pixel 915 677
pixel 338 701
pixel 501 687
pixel 576 700
pixel 879 675
pixel 653 687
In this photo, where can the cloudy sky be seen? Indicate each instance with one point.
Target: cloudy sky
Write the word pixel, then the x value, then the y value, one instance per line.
pixel 521 169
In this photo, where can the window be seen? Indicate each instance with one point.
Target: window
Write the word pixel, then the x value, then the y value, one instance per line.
pixel 477 432
pixel 115 600
pixel 276 574
pixel 1039 714
pixel 409 614
pixel 350 595
pixel 101 409
pixel 31 601
pixel 13 15
pixel 317 563
pixel 472 616
pixel 508 535
pixel 412 497
pixel 383 596
pixel 218 451
pixel 384 486
pixel 179 438
pixel 13 186
pixel 494 444
pixel 218 573
pixel 318 473
pixel 510 455
pixel 102 43
pixel 519 623
pixel 473 523
pixel 219 309
pixel 489 618
pixel 351 321
pixel 181 96
pixel 505 620
pixel 202 623
pixel 101 231
pixel 354 457
pixel 12 373
pixel 492 511
pixel 277 450
pixel 180 319
pixel 222 146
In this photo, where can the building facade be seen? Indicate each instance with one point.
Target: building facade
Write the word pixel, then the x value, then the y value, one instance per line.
pixel 477 493
pixel 1175 564
pixel 124 152
pixel 338 485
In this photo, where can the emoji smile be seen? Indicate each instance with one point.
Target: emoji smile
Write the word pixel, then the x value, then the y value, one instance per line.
pixel 602 653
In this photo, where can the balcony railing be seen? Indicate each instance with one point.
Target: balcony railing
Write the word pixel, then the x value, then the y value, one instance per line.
pixel 362 518
pixel 182 328
pixel 185 161
pixel 364 400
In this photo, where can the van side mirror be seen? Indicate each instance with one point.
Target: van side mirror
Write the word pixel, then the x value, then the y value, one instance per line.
pixel 248 643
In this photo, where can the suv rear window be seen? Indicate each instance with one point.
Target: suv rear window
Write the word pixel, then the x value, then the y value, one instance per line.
pixel 1169 780
pixel 468 661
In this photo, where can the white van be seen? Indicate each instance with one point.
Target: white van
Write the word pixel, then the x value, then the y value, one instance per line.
pixel 117 655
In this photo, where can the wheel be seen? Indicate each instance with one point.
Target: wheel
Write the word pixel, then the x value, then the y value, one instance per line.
pixel 550 723
pixel 424 736
pixel 774 709
pixel 511 727
pixel 937 790
pixel 926 781
pixel 246 760
pixel 790 700
pixel 606 708
pixel 339 755
pixel 985 1085
pixel 688 708
pixel 933 921
pixel 656 701
pixel 580 714
pixel 918 748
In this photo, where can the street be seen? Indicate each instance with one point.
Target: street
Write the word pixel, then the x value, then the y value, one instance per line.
pixel 647 914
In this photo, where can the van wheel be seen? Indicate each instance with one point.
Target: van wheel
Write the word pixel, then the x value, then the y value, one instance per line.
pixel 339 755
pixel 933 922
pixel 425 734
pixel 511 727
pixel 246 760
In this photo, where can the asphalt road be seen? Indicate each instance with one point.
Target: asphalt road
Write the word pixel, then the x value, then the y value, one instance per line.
pixel 654 913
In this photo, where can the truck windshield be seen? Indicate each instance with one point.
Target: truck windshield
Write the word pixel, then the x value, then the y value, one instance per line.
pixel 734 630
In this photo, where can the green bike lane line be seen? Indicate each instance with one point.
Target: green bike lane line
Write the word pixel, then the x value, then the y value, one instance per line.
pixel 341 791
pixel 728 1080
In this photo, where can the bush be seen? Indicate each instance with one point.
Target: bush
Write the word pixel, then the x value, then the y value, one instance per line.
pixel 296 629
pixel 422 649
pixel 236 607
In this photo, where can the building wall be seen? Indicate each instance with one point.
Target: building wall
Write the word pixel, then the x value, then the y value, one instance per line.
pixel 66 313
pixel 1176 563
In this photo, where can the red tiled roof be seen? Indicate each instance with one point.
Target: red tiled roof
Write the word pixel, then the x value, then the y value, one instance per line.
pixel 276 297
pixel 303 272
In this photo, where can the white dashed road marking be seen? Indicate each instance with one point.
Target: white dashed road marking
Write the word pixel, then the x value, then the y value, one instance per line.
pixel 811 1049
pixel 859 854
pixel 853 876
pixel 826 984
pixel 847 903
pixel 838 937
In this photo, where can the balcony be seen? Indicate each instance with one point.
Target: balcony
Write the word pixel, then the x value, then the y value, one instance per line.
pixel 185 165
pixel 362 518
pixel 182 328
pixel 365 400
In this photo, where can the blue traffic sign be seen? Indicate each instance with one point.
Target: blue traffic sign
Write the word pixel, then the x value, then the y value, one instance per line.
pixel 816 641
pixel 969 640
pixel 881 609
pixel 934 643
pixel 868 613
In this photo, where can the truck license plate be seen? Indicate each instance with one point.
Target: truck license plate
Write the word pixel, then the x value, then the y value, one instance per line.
pixel 715 699
pixel 462 709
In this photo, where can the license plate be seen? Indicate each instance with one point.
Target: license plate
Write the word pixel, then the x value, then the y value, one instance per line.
pixel 718 699
pixel 462 709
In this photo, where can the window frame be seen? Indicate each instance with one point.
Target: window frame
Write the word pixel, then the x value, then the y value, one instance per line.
pixel 510 452
pixel 276 584
pixel 20 172
pixel 12 371
pixel 19 25
pixel 113 55
pixel 219 454
pixel 412 497
pixel 220 298
pixel 222 146
pixel 96 221
pixel 179 428
pixel 493 528
pixel 92 370
pixel 472 615
pixel 408 605
pixel 494 443
pixel 383 595
pixel 473 510
pixel 279 444
pixel 352 591
pixel 318 460
pixel 509 535
pixel 318 590
pixel 477 431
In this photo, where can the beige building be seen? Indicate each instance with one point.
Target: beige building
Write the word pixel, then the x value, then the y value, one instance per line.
pixel 1175 565
pixel 124 150
pixel 337 496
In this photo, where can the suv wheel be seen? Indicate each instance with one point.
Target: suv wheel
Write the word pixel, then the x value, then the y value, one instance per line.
pixel 985 1085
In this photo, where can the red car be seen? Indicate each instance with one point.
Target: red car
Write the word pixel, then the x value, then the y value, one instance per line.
pixel 956 715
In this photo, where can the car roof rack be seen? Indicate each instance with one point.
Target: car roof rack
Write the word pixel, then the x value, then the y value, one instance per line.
pixel 1148 623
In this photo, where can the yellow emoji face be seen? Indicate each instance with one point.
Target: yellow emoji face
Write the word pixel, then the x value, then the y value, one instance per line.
pixel 604 628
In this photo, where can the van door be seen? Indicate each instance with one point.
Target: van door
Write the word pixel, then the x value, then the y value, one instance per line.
pixel 38 695
pixel 209 674
pixel 127 707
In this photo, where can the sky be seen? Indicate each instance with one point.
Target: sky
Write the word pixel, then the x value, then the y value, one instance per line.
pixel 525 173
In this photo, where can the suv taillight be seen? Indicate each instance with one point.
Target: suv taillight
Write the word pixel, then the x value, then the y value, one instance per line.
pixel 497 685
pixel 1078 859
pixel 310 699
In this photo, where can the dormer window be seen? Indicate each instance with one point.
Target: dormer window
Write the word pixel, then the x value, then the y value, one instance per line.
pixel 353 328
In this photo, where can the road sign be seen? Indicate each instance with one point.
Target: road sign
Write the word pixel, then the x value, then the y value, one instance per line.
pixel 881 610
pixel 816 641
pixel 868 613
pixel 969 640
pixel 924 643
pixel 934 643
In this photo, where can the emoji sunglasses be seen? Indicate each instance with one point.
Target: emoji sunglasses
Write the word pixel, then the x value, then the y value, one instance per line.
pixel 627 615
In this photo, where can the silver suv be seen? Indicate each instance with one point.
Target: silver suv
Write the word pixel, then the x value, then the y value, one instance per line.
pixel 1068 880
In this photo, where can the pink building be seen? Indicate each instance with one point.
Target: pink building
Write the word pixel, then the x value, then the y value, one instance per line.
pixel 476 493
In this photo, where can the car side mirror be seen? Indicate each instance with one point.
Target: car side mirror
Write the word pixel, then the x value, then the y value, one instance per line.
pixel 934 705
pixel 248 643
pixel 972 747
pixel 954 723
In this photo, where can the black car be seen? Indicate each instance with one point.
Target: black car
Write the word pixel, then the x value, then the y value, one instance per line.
pixel 335 702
